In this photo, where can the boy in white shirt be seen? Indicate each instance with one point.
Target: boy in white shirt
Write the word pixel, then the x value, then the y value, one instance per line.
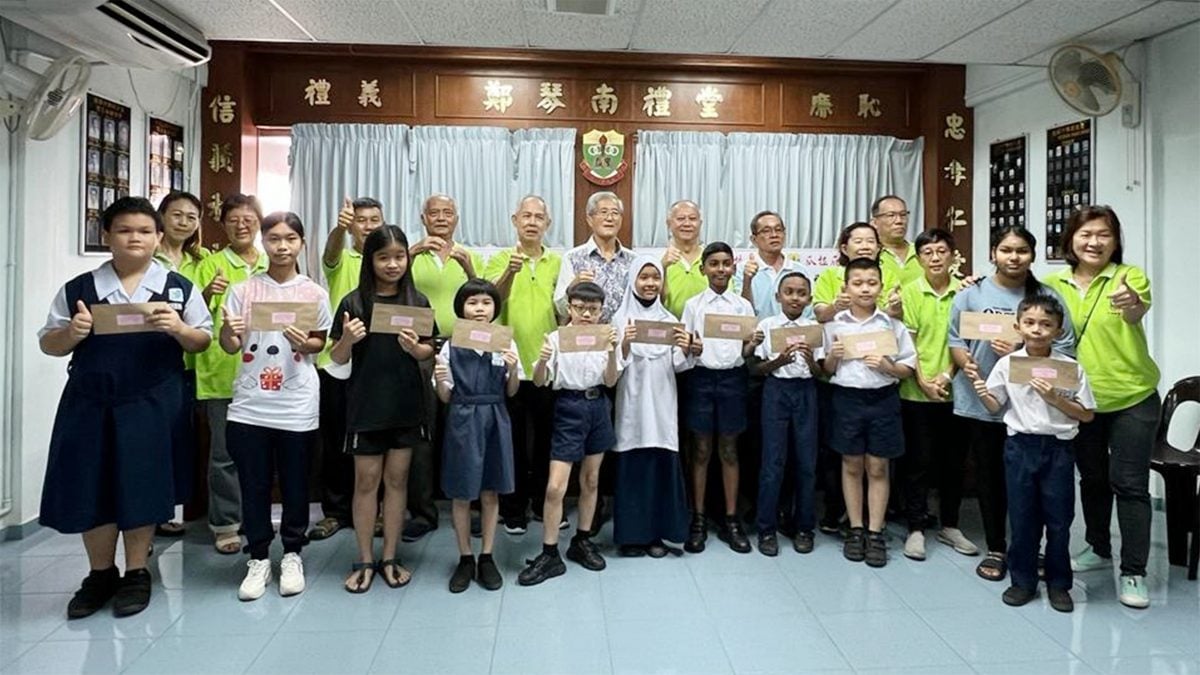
pixel 583 432
pixel 866 408
pixel 1038 461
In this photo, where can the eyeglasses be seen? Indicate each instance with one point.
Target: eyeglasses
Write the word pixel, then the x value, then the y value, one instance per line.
pixel 605 213
pixel 585 310
pixel 770 230
pixel 893 215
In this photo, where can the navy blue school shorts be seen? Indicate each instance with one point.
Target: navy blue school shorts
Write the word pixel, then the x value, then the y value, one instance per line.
pixel 716 401
pixel 582 425
pixel 867 422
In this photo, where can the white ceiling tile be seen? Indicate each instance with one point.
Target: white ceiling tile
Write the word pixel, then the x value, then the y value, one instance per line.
pixel 910 29
pixel 1033 28
pixel 236 19
pixel 467 23
pixel 556 30
pixel 356 21
pixel 693 26
pixel 1153 20
pixel 810 28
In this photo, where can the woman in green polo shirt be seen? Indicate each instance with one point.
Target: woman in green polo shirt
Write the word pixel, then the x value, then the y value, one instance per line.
pixel 1107 300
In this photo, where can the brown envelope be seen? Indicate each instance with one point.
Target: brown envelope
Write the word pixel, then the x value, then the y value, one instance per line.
pixel 786 335
pixel 132 317
pixel 395 318
pixel 275 316
pixel 730 326
pixel 880 342
pixel 486 337
pixel 988 326
pixel 655 332
pixel 593 338
pixel 1061 374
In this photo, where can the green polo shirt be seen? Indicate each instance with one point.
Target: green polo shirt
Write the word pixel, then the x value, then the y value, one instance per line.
pixel 529 309
pixel 684 281
pixel 1113 352
pixel 215 370
pixel 340 279
pixel 189 269
pixel 905 271
pixel 439 282
pixel 927 316
pixel 831 280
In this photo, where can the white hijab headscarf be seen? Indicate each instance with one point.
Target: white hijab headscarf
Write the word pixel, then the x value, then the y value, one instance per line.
pixel 632 309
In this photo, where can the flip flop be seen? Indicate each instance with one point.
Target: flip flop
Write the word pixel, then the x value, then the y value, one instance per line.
pixel 993 567
pixel 169 529
pixel 395 563
pixel 360 569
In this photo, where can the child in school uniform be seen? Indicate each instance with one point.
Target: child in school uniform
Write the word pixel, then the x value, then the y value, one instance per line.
pixel 385 402
pixel 477 453
pixel 1039 463
pixel 716 402
pixel 650 504
pixel 789 418
pixel 583 432
pixel 110 466
pixel 272 420
pixel 866 428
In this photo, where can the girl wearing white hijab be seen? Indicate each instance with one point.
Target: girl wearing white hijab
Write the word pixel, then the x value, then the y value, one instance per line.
pixel 650 505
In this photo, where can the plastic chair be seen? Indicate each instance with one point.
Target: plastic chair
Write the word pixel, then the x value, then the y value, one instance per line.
pixel 1180 470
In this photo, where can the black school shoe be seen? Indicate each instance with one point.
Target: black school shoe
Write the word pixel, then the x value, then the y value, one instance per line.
pixel 876 554
pixel 1061 600
pixel 733 534
pixel 584 551
pixel 697 534
pixel 133 593
pixel 803 542
pixel 768 545
pixel 98 587
pixel 856 545
pixel 544 566
pixel 1016 596
pixel 464 572
pixel 488 575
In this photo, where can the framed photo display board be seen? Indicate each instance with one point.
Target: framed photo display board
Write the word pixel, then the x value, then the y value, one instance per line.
pixel 104 166
pixel 164 170
pixel 1006 196
pixel 1069 151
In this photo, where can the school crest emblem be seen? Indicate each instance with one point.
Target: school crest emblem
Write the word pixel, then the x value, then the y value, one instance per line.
pixel 603 157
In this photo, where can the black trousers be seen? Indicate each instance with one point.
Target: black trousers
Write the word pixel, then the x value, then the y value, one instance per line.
pixel 986 440
pixel 336 467
pixel 934 456
pixel 423 470
pixel 829 462
pixel 532 415
pixel 260 453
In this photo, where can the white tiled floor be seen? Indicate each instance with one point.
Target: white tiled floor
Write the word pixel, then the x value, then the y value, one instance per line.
pixel 717 612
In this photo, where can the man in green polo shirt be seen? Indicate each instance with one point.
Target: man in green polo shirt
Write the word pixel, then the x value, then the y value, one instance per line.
pixel 685 276
pixel 439 268
pixel 898 258
pixel 342 266
pixel 526 275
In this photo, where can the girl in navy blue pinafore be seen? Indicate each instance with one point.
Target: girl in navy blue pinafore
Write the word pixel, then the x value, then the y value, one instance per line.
pixel 110 468
pixel 477 460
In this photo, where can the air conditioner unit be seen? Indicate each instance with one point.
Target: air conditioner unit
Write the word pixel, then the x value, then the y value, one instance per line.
pixel 130 33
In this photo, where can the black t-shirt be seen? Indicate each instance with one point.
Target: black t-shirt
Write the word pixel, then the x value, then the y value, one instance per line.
pixel 385 390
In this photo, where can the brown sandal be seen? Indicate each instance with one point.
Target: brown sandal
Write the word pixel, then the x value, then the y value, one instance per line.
pixel 360 571
pixel 993 567
pixel 397 566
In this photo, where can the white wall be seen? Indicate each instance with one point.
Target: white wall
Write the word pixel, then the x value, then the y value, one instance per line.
pixel 47 239
pixel 1150 175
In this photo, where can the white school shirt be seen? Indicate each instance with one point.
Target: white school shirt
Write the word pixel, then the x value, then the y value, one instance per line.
pixel 647 401
pixel 576 371
pixel 855 373
pixel 108 288
pixel 276 387
pixel 798 368
pixel 443 359
pixel 718 353
pixel 1027 412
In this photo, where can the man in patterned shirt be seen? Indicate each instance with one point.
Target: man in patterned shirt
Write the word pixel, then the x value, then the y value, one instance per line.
pixel 601 259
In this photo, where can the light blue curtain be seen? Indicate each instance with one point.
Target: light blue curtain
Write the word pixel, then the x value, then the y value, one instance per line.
pixel 675 165
pixel 330 162
pixel 818 183
pixel 546 167
pixel 474 165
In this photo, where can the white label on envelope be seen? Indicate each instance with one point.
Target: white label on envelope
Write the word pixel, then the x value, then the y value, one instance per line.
pixel 405 321
pixel 130 320
pixel 1044 373
pixel 480 336
pixel 283 317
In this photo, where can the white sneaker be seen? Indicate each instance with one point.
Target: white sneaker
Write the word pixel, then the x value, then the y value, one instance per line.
pixel 1088 561
pixel 914 546
pixel 954 538
pixel 1133 592
pixel 291 575
pixel 258 576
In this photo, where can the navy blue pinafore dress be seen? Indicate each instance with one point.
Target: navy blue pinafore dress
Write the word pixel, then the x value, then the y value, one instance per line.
pixel 122 414
pixel 477 451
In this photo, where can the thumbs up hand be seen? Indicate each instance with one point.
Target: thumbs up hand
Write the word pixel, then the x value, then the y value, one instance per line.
pixel 751 267
pixel 217 286
pixel 233 322
pixel 354 328
pixel 843 300
pixel 346 216
pixel 81 322
pixel 1124 297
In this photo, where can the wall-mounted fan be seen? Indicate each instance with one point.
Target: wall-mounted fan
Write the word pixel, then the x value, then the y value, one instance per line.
pixel 1090 82
pixel 50 99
